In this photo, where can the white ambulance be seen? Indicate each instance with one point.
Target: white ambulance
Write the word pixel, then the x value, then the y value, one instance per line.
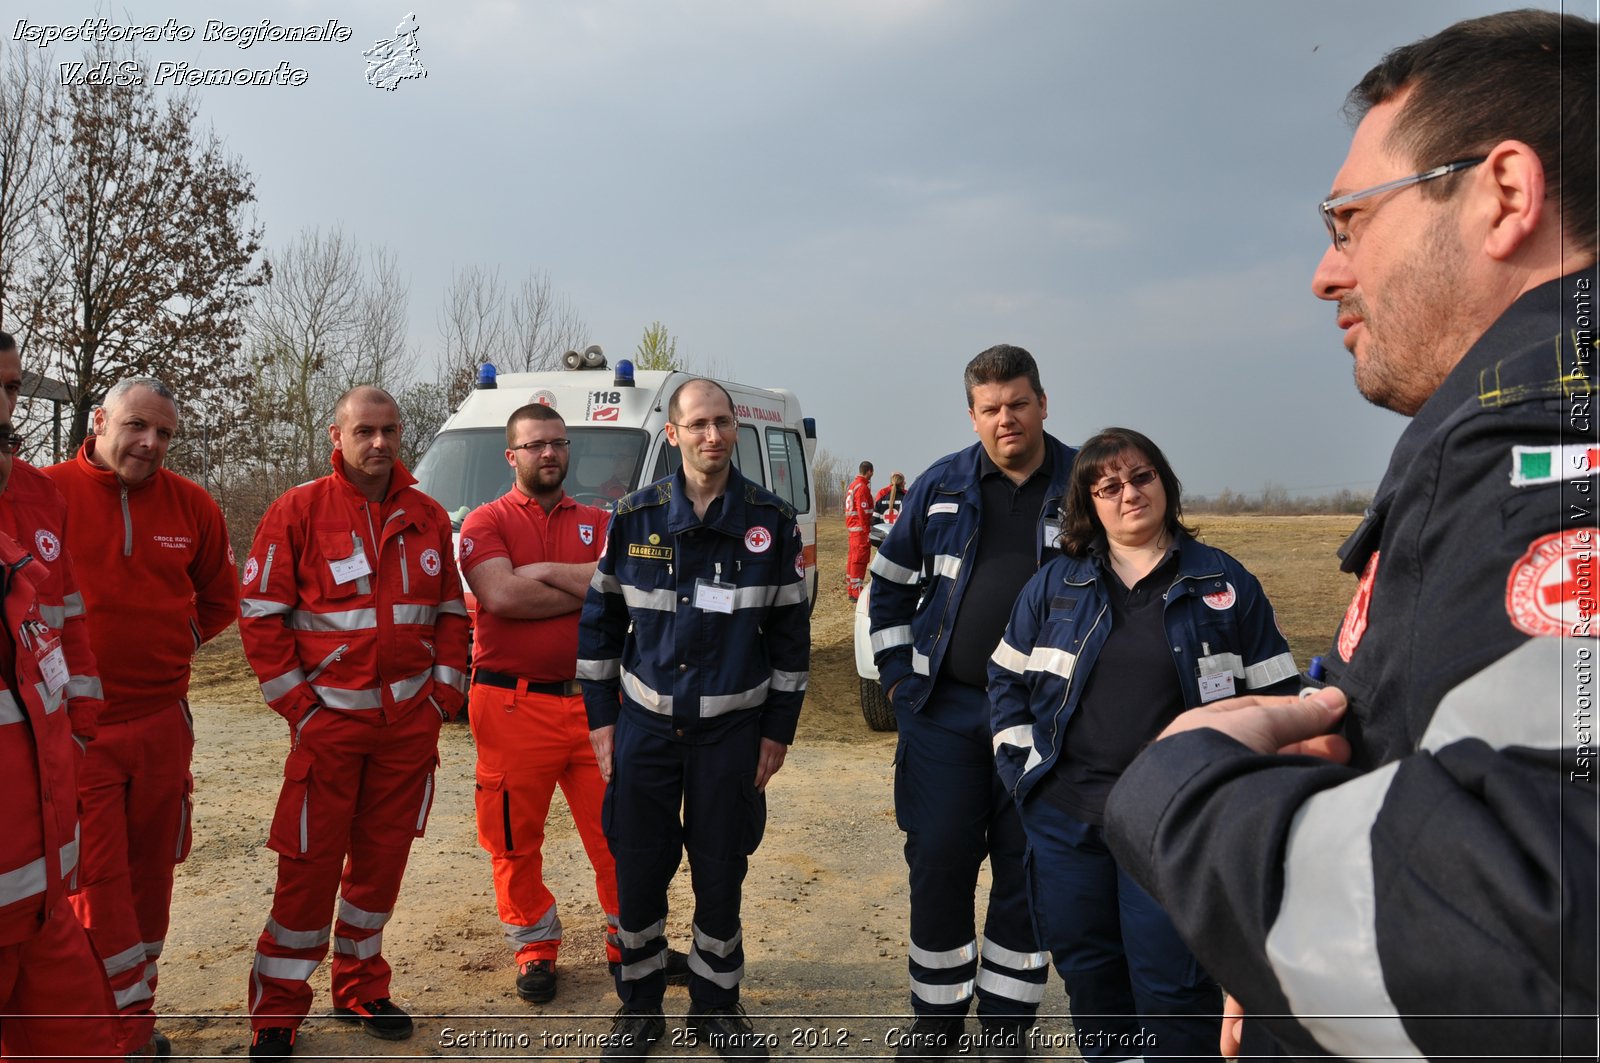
pixel 616 419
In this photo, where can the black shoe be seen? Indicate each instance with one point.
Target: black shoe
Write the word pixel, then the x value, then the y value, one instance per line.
pixel 158 1047
pixel 677 967
pixel 381 1018
pixel 632 1034
pixel 931 1037
pixel 1002 1041
pixel 272 1043
pixel 536 981
pixel 727 1030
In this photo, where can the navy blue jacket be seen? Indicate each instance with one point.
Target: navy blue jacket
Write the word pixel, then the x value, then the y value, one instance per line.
pixel 1214 609
pixel 918 575
pixel 688 669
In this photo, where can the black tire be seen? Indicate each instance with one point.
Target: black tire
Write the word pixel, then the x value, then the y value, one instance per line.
pixel 875 708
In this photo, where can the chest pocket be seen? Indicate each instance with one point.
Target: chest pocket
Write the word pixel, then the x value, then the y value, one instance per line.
pixel 334 554
pixel 421 564
pixel 1062 624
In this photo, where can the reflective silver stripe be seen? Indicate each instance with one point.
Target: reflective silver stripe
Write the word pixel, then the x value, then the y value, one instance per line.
pixel 942 994
pixel 789 681
pixel 450 677
pixel 722 704
pixel 638 939
pixel 605 583
pixel 1010 988
pixel 51 698
pixel 73 604
pixel 548 928
pixel 791 594
pixel 1017 961
pixel 343 620
pixel 26 881
pixel 1020 736
pixel 946 565
pixel 254 607
pixel 725 979
pixel 643 695
pixel 273 689
pixel 606 669
pixel 350 915
pixel 85 686
pixel 54 615
pixel 716 946
pixel 426 615
pixel 427 803
pixel 1010 658
pixel 632 972
pixel 126 960
pixel 152 949
pixel 364 949
pixel 1270 671
pixel 407 688
pixel 297 939
pixel 69 857
pixel 1052 659
pixel 338 698
pixel 890 637
pixel 882 566
pixel 1553 667
pixel 919 662
pixel 284 968
pixel 664 600
pixel 10 711
pixel 941 961
pixel 454 607
pixel 135 993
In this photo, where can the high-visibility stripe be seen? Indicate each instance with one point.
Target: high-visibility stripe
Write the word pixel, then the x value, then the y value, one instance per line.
pixel 284 968
pixel 948 958
pixel 411 613
pixel 644 696
pixel 1270 671
pixel 126 960
pixel 722 704
pixel 339 698
pixel 1052 659
pixel 69 857
pixel 919 663
pixel 946 565
pixel 257 607
pixel 942 994
pixel 10 711
pixel 450 677
pixel 632 972
pixel 605 582
pixel 882 566
pixel 453 607
pixel 22 883
pixel 1010 658
pixel 717 946
pixel 73 604
pixel 548 928
pixel 664 600
pixel 1020 736
pixel 134 994
pixel 791 594
pixel 638 939
pixel 152 949
pixel 427 802
pixel 1010 988
pixel 54 615
pixel 407 688
pixel 594 670
pixel 85 686
pixel 51 698
pixel 342 620
pixel 273 689
pixel 1017 961
pixel 1477 708
pixel 297 939
pixel 364 949
pixel 890 637
pixel 725 979
pixel 789 681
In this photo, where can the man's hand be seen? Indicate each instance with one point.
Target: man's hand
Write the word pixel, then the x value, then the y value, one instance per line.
pixel 767 762
pixel 1232 1027
pixel 600 739
pixel 1286 724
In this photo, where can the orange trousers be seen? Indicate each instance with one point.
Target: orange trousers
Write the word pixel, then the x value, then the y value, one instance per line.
pixel 855 562
pixel 528 744
pixel 54 1001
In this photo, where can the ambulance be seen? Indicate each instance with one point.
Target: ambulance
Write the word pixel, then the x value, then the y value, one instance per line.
pixel 616 419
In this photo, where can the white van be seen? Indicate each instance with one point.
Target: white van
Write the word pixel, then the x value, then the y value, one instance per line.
pixel 616 420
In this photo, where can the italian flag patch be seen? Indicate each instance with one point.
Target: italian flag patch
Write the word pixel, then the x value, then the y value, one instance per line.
pixel 1548 465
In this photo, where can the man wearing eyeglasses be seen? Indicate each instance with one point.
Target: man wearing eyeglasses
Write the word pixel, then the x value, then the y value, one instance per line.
pixel 693 651
pixel 158 579
pixel 529 556
pixel 1428 887
pixel 353 619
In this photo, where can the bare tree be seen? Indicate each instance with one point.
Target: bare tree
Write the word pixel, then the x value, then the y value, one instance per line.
pixel 828 479
pixel 472 328
pixel 544 325
pixel 29 103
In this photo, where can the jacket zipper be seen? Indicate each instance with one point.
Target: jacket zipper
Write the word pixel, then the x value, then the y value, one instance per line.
pixel 405 570
pixel 127 526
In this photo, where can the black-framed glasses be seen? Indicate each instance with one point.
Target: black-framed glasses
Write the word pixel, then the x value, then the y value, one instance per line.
pixel 1330 207
pixel 1113 489
pixel 11 442
pixel 539 445
pixel 723 425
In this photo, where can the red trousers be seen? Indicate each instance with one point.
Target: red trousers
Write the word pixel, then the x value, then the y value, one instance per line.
pixel 855 563
pixel 136 793
pixel 528 744
pixel 54 1001
pixel 355 794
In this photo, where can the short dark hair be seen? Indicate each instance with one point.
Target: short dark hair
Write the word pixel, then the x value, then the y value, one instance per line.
pixel 672 404
pixel 866 468
pixel 533 411
pixel 8 342
pixel 1518 75
pixel 999 364
pixel 1080 525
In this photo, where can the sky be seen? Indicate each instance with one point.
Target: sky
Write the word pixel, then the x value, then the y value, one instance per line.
pixel 851 198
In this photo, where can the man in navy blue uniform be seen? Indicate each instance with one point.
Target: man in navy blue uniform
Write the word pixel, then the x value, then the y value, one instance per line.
pixel 1436 895
pixel 693 652
pixel 971 533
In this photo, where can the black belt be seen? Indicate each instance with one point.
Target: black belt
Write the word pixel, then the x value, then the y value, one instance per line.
pixel 566 689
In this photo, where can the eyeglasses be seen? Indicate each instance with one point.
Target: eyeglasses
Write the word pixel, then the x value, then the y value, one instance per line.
pixel 1113 489
pixel 723 425
pixel 1330 207
pixel 539 445
pixel 11 443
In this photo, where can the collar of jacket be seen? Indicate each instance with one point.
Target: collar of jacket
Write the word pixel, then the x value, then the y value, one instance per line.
pixel 106 477
pixel 400 478
pixel 731 521
pixel 1196 560
pixel 966 469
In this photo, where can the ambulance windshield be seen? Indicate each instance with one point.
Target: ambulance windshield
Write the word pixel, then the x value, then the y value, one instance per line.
pixel 464 468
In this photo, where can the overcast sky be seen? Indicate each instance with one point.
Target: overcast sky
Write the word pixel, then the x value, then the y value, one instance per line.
pixel 851 198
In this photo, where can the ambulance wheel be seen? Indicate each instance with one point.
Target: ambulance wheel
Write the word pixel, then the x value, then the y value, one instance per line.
pixel 875 707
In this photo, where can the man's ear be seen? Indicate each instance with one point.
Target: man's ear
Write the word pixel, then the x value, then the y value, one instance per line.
pixel 1509 191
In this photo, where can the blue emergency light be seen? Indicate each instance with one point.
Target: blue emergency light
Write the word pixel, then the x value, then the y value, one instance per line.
pixel 624 375
pixel 486 379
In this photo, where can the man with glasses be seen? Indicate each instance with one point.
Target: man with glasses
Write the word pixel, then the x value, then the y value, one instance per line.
pixel 158 580
pixel 529 556
pixel 354 621
pixel 971 534
pixel 1428 888
pixel 693 652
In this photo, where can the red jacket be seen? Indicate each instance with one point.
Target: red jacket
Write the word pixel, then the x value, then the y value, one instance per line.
pixel 33 513
pixel 858 505
pixel 355 605
pixel 157 576
pixel 38 759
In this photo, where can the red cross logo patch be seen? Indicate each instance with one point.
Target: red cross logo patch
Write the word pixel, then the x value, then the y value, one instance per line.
pixel 1551 587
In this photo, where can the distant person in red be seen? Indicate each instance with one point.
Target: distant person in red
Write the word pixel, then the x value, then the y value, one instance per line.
pixel 858 523
pixel 887 502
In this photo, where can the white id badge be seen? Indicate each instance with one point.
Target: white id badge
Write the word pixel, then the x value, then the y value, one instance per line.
pixel 1215 686
pixel 713 597
pixel 353 567
pixel 53 663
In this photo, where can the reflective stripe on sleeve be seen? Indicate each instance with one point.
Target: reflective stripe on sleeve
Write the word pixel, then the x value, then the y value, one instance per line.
pixel 1272 670
pixel 791 594
pixel 22 883
pixel 946 565
pixel 275 688
pixel 722 704
pixel 1052 659
pixel 256 607
pixel 919 662
pixel 54 615
pixel 789 681
pixel 453 607
pixel 411 613
pixel 890 637
pixel 609 668
pixel 73 604
pixel 1020 736
pixel 126 960
pixel 10 711
pixel 1010 658
pixel 450 677
pixel 882 566
pixel 642 695
pixel 85 686
pixel 605 582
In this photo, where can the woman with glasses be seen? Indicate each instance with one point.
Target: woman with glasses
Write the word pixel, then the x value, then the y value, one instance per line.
pixel 1134 622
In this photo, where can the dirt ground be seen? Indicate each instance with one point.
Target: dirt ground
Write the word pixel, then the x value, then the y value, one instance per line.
pixel 824 902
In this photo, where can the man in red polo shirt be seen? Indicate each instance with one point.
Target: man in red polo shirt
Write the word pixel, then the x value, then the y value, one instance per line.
pixel 528 557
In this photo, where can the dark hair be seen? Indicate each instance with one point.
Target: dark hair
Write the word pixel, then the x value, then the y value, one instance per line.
pixel 999 364
pixel 8 342
pixel 673 409
pixel 533 411
pixel 866 468
pixel 1080 526
pixel 1519 75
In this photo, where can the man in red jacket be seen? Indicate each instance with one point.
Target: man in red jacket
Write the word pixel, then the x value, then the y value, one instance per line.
pixel 354 621
pixel 858 524
pixel 158 579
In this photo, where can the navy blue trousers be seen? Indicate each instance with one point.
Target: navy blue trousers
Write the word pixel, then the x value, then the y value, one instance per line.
pixel 654 776
pixel 954 811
